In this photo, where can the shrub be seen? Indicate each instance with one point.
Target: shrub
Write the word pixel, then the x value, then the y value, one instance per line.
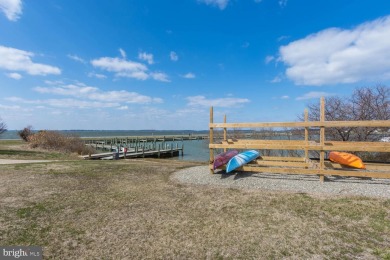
pixel 52 140
pixel 25 133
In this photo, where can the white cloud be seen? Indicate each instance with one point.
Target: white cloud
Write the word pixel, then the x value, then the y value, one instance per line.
pixel 221 4
pixel 160 76
pixel 76 58
pixel 123 108
pixel 218 102
pixel 65 103
pixel 277 79
pixel 96 75
pixel 82 91
pixel 314 95
pixel 189 75
pixel 174 56
pixel 11 8
pixel 123 53
pixel 335 55
pixel 122 68
pixel 14 75
pixel 18 60
pixel 146 57
pixel 285 97
pixel 268 59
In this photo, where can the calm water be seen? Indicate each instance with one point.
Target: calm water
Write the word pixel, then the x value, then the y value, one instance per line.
pixel 196 150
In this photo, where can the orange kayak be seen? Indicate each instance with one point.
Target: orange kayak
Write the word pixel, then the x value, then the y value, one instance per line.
pixel 347 159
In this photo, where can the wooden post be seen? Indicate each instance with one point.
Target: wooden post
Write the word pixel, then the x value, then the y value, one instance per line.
pixel 211 140
pixel 158 150
pixel 182 148
pixel 306 135
pixel 322 138
pixel 224 132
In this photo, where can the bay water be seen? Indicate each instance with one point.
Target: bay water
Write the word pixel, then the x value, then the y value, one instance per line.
pixel 194 150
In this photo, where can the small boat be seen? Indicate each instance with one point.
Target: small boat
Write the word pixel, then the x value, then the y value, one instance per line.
pixel 241 159
pixel 223 158
pixel 347 159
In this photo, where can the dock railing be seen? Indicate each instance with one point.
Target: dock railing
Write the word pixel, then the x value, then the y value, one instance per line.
pixel 303 164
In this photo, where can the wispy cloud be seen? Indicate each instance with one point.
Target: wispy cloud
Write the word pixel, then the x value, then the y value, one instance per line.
pixel 189 75
pixel 277 79
pixel 221 4
pixel 336 55
pixel 19 60
pixel 76 58
pixel 12 9
pixel 83 91
pixel 268 59
pixel 285 97
pixel 96 75
pixel 14 75
pixel 314 95
pixel 122 68
pixel 159 76
pixel 123 53
pixel 218 102
pixel 146 57
pixel 173 56
pixel 130 69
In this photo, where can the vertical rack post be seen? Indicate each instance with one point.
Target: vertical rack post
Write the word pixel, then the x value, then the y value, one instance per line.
pixel 224 132
pixel 322 138
pixel 306 135
pixel 211 138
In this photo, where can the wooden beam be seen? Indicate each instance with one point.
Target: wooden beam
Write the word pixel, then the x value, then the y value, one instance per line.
pixel 351 173
pixel 326 124
pixel 224 132
pixel 211 137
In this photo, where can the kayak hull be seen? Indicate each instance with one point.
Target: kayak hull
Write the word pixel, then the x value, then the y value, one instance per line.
pixel 224 158
pixel 241 159
pixel 347 159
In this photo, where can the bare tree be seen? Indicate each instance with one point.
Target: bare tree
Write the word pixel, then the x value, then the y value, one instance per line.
pixel 365 104
pixel 3 126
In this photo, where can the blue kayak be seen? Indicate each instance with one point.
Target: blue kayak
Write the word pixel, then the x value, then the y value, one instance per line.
pixel 241 159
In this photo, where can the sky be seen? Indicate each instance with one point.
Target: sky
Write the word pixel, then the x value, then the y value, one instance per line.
pixel 152 64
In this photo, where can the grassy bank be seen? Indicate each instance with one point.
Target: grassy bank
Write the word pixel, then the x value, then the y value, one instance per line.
pixel 131 209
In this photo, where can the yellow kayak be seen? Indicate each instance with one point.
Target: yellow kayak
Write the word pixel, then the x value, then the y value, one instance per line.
pixel 347 159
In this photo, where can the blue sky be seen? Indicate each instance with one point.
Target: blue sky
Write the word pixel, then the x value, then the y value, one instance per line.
pixel 151 64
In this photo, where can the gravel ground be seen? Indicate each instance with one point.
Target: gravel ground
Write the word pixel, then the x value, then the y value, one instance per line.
pixel 284 182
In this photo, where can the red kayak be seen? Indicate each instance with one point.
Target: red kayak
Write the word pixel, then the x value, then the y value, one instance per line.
pixel 223 158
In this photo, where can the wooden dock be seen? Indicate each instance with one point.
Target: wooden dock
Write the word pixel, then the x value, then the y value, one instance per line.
pixel 137 147
pixel 133 154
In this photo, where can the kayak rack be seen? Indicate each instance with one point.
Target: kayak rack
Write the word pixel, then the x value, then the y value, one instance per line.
pixel 302 164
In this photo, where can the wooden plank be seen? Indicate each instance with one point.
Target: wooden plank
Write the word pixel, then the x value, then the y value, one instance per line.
pixel 327 124
pixel 351 173
pixel 224 132
pixel 306 133
pixel 287 146
pixel 281 163
pixel 282 158
pixel 211 136
pixel 322 136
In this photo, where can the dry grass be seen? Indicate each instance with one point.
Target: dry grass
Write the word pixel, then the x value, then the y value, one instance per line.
pixel 131 209
pixel 19 150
